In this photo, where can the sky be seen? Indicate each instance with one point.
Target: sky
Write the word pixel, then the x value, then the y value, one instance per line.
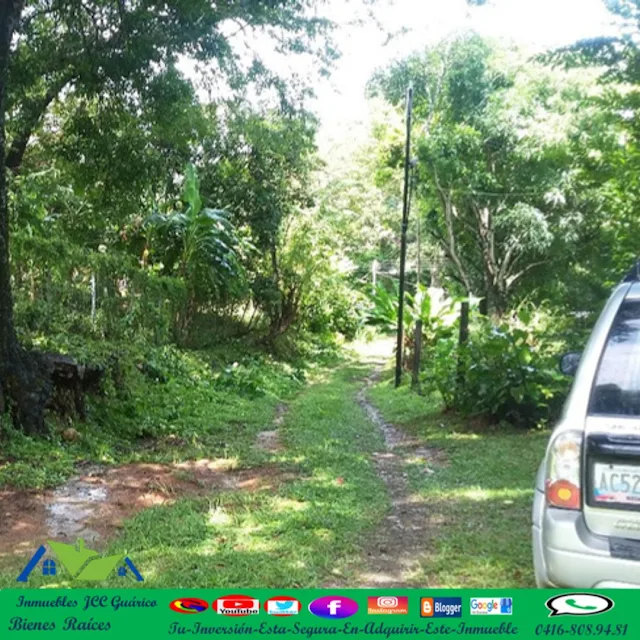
pixel 363 39
pixel 533 24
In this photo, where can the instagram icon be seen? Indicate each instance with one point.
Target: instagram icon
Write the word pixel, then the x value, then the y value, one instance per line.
pixel 388 605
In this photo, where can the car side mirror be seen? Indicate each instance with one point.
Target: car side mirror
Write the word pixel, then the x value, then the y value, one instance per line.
pixel 569 363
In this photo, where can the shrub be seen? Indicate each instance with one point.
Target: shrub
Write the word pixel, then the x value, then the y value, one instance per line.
pixel 506 370
pixel 335 308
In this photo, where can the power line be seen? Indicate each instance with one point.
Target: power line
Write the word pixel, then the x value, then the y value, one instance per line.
pixel 497 194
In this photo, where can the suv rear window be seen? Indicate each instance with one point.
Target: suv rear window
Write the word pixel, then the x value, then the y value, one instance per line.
pixel 617 386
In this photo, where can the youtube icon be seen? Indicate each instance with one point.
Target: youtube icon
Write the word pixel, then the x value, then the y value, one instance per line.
pixel 236 606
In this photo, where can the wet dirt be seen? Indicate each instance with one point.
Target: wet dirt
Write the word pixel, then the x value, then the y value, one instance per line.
pixel 269 441
pixel 71 506
pixel 95 504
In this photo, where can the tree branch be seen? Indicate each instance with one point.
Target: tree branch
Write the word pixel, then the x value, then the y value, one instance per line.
pixel 451 241
pixel 513 279
pixel 34 112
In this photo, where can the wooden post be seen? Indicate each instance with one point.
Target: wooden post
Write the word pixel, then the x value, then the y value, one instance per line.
pixel 417 355
pixel 463 338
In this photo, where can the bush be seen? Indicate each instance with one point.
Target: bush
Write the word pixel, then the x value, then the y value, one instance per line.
pixel 258 376
pixel 507 370
pixel 335 308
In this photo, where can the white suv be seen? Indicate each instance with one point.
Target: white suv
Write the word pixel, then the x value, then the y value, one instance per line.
pixel 586 512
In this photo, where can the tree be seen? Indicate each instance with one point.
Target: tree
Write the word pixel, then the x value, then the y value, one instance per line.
pixel 606 149
pixel 492 144
pixel 198 245
pixel 118 52
pixel 120 47
pixel 23 381
pixel 261 171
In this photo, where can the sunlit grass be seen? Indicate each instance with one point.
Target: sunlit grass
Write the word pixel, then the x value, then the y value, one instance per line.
pixel 299 534
pixel 194 410
pixel 311 527
pixel 479 496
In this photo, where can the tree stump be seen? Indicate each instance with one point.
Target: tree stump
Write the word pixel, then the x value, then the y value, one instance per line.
pixel 71 381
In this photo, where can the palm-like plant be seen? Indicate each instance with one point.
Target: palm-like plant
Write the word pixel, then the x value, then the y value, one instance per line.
pixel 197 244
pixel 434 314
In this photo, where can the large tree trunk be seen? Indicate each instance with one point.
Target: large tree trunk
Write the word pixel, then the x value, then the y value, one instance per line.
pixel 25 382
pixel 33 113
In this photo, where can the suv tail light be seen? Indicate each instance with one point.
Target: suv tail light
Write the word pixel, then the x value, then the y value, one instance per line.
pixel 563 471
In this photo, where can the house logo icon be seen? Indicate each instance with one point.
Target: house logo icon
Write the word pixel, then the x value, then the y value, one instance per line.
pixel 80 563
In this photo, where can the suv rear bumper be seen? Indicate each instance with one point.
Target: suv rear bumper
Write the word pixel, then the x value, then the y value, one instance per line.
pixel 567 554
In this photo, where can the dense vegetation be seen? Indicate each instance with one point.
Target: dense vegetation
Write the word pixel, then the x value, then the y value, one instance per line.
pixel 525 184
pixel 198 253
pixel 140 217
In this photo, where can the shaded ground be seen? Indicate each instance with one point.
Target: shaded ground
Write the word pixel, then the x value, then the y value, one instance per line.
pixel 354 484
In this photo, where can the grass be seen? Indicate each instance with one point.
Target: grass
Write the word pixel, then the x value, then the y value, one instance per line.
pixel 305 532
pixel 174 406
pixel 481 497
pixel 309 530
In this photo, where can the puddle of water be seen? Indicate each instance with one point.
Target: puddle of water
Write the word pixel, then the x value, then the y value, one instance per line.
pixel 70 508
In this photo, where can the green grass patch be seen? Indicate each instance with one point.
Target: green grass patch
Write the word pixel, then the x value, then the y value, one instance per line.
pixel 300 534
pixel 480 499
pixel 169 405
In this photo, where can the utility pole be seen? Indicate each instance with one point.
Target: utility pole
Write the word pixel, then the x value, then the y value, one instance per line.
pixel 403 240
pixel 417 339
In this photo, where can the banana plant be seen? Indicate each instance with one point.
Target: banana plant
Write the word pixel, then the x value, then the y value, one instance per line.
pixel 197 244
pixel 421 306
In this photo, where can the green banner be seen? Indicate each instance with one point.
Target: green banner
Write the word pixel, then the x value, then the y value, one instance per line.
pixel 171 613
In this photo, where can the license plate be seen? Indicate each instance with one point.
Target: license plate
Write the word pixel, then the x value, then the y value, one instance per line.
pixel 616 484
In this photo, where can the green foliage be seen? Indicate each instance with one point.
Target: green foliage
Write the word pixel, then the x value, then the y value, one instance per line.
pixel 492 141
pixel 426 305
pixel 506 370
pixel 526 180
pixel 335 307
pixel 331 499
pixel 159 404
pixel 257 377
pixel 259 167
pixel 384 307
pixel 198 245
pixel 484 484
pixel 526 188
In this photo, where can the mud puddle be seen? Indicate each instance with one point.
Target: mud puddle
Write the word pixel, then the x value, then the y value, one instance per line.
pixel 94 504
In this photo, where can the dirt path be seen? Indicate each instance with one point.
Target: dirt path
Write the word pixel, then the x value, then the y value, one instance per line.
pixel 94 504
pixel 269 441
pixel 401 543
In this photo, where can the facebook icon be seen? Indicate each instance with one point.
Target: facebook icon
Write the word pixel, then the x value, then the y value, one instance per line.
pixel 506 606
pixel 332 607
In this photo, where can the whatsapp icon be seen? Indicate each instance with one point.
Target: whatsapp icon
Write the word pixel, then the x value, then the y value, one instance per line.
pixel 578 604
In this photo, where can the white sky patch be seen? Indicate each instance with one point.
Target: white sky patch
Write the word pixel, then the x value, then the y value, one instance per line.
pixel 366 44
pixel 532 24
